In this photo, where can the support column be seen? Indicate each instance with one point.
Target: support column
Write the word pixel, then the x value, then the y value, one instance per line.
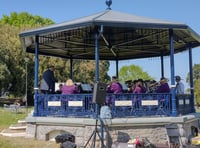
pixel 36 75
pixel 171 38
pixel 117 68
pixel 97 56
pixel 162 65
pixel 71 68
pixel 191 79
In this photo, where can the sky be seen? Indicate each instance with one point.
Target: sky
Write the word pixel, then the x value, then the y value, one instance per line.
pixel 183 11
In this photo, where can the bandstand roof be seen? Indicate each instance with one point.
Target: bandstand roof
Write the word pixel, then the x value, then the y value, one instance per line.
pixel 122 36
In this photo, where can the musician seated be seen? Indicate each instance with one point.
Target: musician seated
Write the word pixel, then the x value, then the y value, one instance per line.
pixel 153 84
pixel 129 84
pixel 114 87
pixel 139 86
pixel 59 90
pixel 69 87
pixel 164 86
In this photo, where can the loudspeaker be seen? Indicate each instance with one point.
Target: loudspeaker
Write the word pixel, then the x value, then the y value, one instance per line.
pixel 99 93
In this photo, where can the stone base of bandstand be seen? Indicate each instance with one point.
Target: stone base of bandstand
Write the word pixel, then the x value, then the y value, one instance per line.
pixel 156 129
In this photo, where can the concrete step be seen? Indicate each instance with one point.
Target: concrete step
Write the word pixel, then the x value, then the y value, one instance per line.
pixel 21 124
pixel 15 130
pixel 13 133
pixel 21 121
pixel 18 127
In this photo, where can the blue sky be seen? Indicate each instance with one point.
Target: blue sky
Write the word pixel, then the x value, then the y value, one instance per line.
pixel 183 11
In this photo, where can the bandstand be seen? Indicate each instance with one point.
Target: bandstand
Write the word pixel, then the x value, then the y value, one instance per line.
pixel 114 36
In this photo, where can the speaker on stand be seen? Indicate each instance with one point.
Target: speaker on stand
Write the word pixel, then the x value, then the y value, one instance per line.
pixel 99 98
pixel 99 93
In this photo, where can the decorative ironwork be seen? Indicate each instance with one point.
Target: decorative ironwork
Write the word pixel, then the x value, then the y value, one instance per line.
pixel 121 105
pixel 108 3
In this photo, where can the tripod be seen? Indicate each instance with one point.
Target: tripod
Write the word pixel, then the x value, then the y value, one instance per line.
pixel 94 133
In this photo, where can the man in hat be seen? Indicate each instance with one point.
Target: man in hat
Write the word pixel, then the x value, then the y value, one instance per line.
pixel 179 85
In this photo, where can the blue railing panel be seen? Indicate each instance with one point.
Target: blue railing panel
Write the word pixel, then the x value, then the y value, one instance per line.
pixel 121 105
pixel 184 103
pixel 140 104
pixel 64 105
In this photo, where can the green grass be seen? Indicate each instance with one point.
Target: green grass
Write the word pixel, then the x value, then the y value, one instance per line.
pixel 198 110
pixel 7 118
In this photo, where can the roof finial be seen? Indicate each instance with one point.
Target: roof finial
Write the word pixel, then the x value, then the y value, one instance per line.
pixel 108 3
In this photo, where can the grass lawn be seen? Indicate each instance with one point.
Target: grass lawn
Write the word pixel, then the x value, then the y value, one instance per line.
pixel 6 119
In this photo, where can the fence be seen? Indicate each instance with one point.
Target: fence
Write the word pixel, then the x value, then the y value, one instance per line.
pixel 121 105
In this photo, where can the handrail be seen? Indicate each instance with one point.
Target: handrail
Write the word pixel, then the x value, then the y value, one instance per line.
pixel 121 105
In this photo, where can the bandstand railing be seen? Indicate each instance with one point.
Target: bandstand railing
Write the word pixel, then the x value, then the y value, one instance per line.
pixel 184 104
pixel 121 105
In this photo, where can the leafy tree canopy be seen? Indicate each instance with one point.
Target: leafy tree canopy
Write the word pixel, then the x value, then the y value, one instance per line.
pixel 133 72
pixel 24 18
pixel 196 80
pixel 12 63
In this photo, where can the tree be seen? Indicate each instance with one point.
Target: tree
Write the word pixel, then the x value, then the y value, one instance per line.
pixel 196 80
pixel 12 64
pixel 133 72
pixel 83 70
pixel 24 18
